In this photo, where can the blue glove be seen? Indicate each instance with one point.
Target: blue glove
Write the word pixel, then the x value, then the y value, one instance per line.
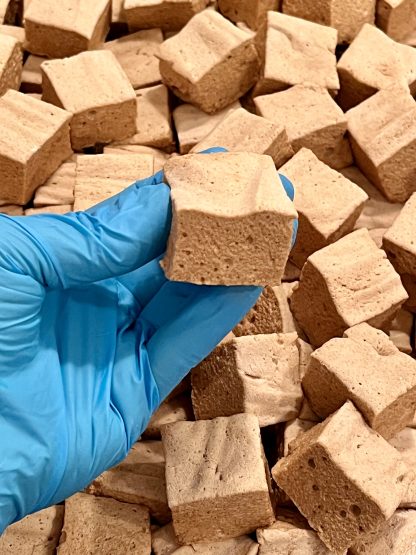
pixel 92 339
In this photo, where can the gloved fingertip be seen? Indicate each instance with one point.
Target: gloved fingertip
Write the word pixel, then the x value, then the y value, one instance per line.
pixel 288 186
pixel 213 150
pixel 295 232
pixel 152 180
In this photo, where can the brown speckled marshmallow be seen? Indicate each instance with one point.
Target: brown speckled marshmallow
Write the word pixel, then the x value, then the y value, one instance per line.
pixel 312 119
pixel 271 314
pixel 36 533
pixel 251 12
pixel 153 120
pixel 217 478
pixel 193 125
pixel 383 137
pixel 11 60
pixel 137 54
pixel 169 15
pixel 344 478
pixel 344 284
pixel 397 18
pixel 101 176
pixel 68 27
pixel 378 378
pixel 164 542
pixel 94 87
pixel 104 526
pixel 374 62
pixel 306 55
pixel 210 63
pixel 257 374
pixel 241 131
pixel 396 537
pixel 139 479
pixel 216 241
pixel 33 148
pixel 328 204
pixel 290 534
pixel 347 16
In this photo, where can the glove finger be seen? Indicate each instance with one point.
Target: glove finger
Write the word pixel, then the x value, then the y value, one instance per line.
pixel 111 239
pixel 290 191
pixel 145 282
pixel 184 322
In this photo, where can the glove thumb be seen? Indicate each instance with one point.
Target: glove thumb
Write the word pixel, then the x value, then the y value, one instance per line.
pixel 113 238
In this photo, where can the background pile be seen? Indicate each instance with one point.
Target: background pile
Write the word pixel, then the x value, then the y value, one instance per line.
pixel 328 95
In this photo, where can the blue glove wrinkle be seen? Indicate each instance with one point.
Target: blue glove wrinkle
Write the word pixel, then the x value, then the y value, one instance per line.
pixel 79 248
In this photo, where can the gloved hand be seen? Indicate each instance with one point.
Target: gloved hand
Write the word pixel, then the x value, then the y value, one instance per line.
pixel 92 339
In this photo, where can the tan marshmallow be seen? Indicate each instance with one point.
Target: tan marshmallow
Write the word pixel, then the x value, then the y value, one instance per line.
pixel 343 477
pixel 344 284
pixel 377 339
pixel 382 386
pixel 383 139
pixel 293 429
pixel 216 242
pixel 139 479
pixel 312 120
pixel 378 213
pixel 169 15
pixel 55 209
pixel 159 157
pixel 33 147
pixel 193 125
pixel 164 542
pixel 374 62
pixel 101 176
pixel 32 74
pixel 290 534
pixel 16 32
pixel 137 54
pixel 104 526
pixel 271 314
pixel 197 62
pixel 395 537
pixel 296 52
pixel 37 534
pixel 59 188
pixel 257 374
pixel 153 121
pixel 346 16
pixel 11 61
pixel 65 28
pixel 215 488
pixel 252 13
pixel 95 89
pixel 177 409
pixel 400 240
pixel 405 443
pixel 241 131
pixel 397 18
pixel 400 332
pixel 12 209
pixel 328 204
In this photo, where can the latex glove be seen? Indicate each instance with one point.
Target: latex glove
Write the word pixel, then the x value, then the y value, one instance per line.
pixel 92 339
